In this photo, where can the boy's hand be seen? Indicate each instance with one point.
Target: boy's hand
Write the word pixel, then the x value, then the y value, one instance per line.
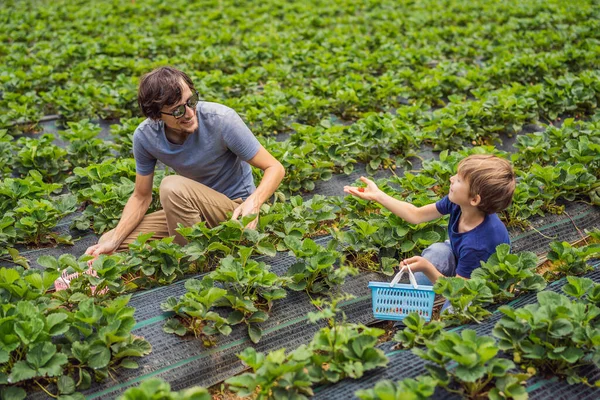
pixel 371 192
pixel 418 264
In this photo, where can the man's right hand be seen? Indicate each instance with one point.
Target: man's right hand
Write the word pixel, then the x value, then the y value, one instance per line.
pixel 371 192
pixel 106 247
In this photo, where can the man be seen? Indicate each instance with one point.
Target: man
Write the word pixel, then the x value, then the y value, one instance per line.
pixel 209 147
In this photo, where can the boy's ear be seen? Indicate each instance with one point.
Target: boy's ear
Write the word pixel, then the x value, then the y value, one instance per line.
pixel 476 200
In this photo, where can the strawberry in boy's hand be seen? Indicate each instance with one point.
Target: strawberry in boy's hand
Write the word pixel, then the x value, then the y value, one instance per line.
pixel 362 189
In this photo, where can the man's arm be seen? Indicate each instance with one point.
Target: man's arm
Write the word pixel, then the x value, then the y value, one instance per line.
pixel 406 211
pixel 133 213
pixel 273 174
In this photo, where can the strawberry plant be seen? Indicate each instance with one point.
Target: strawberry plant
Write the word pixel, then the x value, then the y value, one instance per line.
pixel 122 134
pixel 564 180
pixel 467 298
pixel 44 343
pixel 21 284
pixel 8 234
pixel 34 219
pixel 417 331
pixel 371 241
pixel 583 151
pixel 555 336
pixel 6 153
pixel 583 289
pixel 194 314
pixel 101 281
pixel 341 349
pixel 100 337
pixel 107 172
pixel 206 246
pixel 337 351
pixel 569 260
pixel 568 93
pixel 84 145
pixel 299 218
pixel 478 372
pixel 507 274
pixel 155 262
pixel 421 388
pixel 526 203
pixel 154 388
pixel 315 271
pixel 274 376
pixel 251 290
pixel 302 167
pixel 378 137
pixel 43 156
pixel 31 187
pixel 105 203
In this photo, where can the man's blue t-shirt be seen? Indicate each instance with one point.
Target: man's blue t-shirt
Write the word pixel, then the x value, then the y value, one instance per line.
pixel 215 155
pixel 473 246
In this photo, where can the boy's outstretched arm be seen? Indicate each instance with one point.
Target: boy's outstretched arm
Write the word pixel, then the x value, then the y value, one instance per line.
pixel 406 211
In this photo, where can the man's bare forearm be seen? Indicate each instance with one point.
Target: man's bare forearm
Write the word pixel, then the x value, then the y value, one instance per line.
pixel 133 213
pixel 269 183
pixel 404 210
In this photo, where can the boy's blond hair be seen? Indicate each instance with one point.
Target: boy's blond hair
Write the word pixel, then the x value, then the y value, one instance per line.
pixel 490 177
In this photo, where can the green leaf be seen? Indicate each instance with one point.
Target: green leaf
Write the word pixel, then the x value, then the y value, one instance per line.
pixel 259 316
pixel 235 317
pixel 40 354
pixel 407 246
pixel 66 385
pixel 266 248
pixel 48 262
pixel 560 327
pixel 173 325
pixel 99 356
pixel 55 325
pixel 254 332
pixel 363 342
pixel 129 364
pixel 12 393
pixel 470 374
pixel 4 356
pixel 21 371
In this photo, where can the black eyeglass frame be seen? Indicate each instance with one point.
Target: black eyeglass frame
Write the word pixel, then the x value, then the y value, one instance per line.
pixel 180 111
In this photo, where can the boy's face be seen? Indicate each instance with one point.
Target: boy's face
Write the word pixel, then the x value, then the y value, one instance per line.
pixel 459 191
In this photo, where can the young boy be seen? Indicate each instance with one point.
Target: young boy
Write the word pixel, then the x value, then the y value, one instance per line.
pixel 484 185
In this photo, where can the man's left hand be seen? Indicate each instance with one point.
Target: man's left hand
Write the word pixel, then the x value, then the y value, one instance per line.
pixel 417 264
pixel 248 207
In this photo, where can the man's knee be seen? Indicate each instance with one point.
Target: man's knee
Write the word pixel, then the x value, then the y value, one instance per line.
pixel 170 185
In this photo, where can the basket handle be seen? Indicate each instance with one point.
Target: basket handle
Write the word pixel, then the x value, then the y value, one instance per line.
pixel 411 277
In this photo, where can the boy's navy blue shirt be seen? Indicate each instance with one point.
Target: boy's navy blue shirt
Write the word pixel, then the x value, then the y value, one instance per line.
pixel 473 246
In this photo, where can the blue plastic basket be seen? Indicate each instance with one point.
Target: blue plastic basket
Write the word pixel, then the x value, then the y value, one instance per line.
pixel 394 301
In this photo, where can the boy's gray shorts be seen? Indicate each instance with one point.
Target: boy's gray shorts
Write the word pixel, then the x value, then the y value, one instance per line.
pixel 442 257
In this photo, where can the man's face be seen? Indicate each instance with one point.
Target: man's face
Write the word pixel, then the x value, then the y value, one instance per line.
pixel 186 124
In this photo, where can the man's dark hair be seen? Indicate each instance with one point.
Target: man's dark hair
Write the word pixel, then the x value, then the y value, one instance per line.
pixel 161 87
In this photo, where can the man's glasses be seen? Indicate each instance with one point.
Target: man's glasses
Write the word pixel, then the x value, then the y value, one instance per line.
pixel 180 111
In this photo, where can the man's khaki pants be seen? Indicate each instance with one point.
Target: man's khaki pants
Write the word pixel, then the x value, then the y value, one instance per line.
pixel 184 201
